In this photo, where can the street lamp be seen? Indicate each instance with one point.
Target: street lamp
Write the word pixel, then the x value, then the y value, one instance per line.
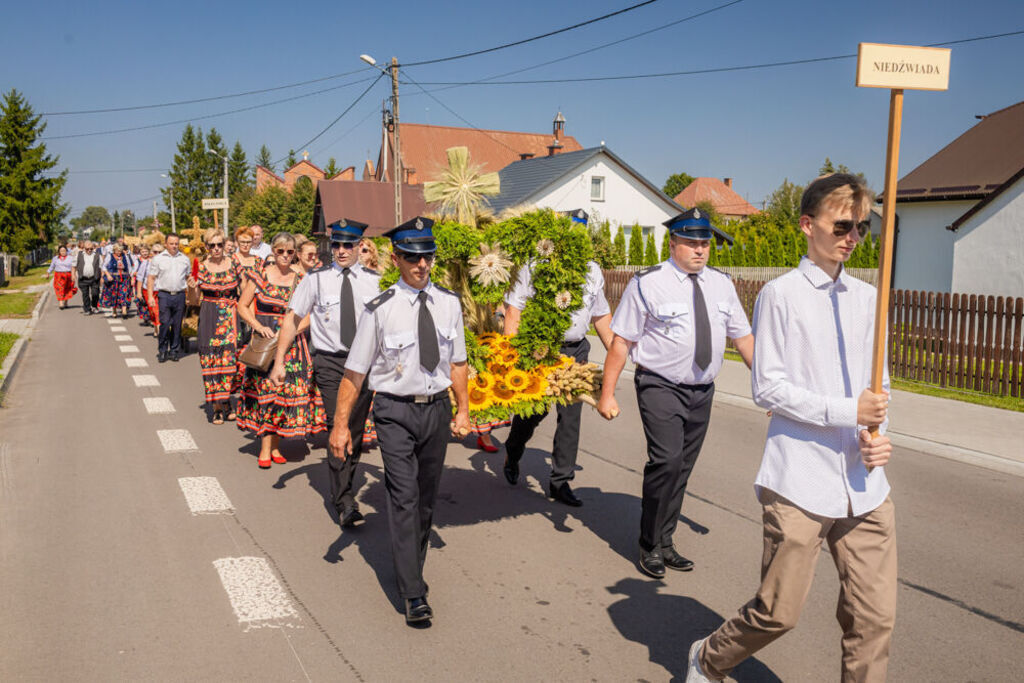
pixel 396 147
pixel 225 160
pixel 173 227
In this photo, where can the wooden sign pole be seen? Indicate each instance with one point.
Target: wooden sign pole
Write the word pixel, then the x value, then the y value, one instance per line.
pixel 217 227
pixel 892 160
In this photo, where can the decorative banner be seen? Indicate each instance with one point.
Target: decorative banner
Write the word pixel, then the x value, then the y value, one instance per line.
pixel 907 67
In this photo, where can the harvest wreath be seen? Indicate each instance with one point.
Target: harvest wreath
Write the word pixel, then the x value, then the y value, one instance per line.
pixel 525 374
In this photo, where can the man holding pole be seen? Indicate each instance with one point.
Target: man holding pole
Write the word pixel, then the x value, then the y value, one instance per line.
pixel 822 476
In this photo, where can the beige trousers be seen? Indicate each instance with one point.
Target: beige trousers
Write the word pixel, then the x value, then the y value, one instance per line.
pixel 864 552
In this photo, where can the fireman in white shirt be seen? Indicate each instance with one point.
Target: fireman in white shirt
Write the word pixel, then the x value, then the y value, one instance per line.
pixel 821 477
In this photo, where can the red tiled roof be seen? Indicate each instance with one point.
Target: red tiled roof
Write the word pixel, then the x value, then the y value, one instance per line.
pixel 366 201
pixel 973 165
pixel 724 200
pixel 423 147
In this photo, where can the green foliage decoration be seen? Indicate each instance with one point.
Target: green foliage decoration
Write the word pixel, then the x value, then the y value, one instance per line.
pixel 636 246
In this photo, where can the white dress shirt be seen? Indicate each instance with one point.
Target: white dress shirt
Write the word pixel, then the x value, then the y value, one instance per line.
pixel 386 346
pixel 89 265
pixel 170 272
pixel 813 340
pixel 656 314
pixel 261 251
pixel 319 296
pixel 594 302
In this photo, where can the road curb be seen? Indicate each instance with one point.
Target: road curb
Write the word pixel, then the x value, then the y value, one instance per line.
pixel 18 350
pixel 915 443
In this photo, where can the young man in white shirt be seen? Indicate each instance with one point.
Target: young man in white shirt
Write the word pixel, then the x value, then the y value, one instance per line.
pixel 822 476
pixel 259 248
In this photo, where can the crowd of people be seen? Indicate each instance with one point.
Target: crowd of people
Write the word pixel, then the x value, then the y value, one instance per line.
pixel 342 346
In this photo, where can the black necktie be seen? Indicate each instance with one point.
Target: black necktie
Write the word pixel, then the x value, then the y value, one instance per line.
pixel 702 327
pixel 348 311
pixel 430 356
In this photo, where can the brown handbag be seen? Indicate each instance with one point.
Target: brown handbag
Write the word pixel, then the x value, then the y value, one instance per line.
pixel 259 353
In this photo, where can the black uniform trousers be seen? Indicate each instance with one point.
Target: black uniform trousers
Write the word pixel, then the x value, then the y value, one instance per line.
pixel 172 312
pixel 413 440
pixel 675 419
pixel 90 287
pixel 328 369
pixel 567 431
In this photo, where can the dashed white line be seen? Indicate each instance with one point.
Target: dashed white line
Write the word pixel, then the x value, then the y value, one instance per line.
pixel 256 595
pixel 136 362
pixel 146 380
pixel 131 348
pixel 118 328
pixel 158 405
pixel 122 337
pixel 176 440
pixel 112 321
pixel 205 496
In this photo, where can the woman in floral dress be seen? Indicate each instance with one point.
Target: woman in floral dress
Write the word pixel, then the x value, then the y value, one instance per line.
pixel 294 407
pixel 217 335
pixel 117 277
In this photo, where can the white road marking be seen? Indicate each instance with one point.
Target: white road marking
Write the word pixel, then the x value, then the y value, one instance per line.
pixel 119 328
pixel 112 321
pixel 146 380
pixel 256 595
pixel 122 337
pixel 131 348
pixel 158 405
pixel 205 496
pixel 136 362
pixel 176 440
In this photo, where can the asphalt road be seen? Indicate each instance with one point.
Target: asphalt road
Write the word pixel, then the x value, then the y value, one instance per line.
pixel 106 573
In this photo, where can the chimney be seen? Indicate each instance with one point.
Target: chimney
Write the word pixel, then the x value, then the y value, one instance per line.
pixel 728 182
pixel 410 176
pixel 559 127
pixel 525 155
pixel 554 148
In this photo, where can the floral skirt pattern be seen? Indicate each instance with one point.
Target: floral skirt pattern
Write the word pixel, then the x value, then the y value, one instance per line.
pixel 220 374
pixel 293 409
pixel 117 292
pixel 218 355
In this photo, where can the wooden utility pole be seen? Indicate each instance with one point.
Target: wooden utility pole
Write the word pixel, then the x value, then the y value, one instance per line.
pixel 396 146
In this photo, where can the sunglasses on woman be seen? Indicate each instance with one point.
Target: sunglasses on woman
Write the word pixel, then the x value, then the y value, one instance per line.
pixel 216 245
pixel 364 251
pixel 842 228
pixel 284 252
pixel 415 258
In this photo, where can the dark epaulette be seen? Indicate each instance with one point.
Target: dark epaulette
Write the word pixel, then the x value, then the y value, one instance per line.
pixel 719 271
pixel 380 299
pixel 320 269
pixel 370 271
pixel 448 291
pixel 647 271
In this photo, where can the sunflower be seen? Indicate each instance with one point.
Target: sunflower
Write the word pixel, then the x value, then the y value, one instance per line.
pixel 502 395
pixel 497 369
pixel 488 338
pixel 483 381
pixel 536 388
pixel 516 380
pixel 504 345
pixel 508 357
pixel 479 399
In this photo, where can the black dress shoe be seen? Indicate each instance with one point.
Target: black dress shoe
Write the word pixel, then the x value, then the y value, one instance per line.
pixel 651 563
pixel 417 611
pixel 511 470
pixel 351 517
pixel 674 560
pixel 175 357
pixel 161 357
pixel 564 494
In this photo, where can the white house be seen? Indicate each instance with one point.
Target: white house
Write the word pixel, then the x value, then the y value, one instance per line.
pixel 960 214
pixel 595 180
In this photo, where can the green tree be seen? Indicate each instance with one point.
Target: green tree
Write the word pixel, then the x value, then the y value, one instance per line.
pixel 332 168
pixel 651 251
pixel 784 203
pixel 666 248
pixel 264 159
pixel 676 183
pixel 300 206
pixel 215 164
pixel 829 168
pixel 269 208
pixel 92 217
pixel 30 207
pixel 239 175
pixel 636 246
pixel 116 224
pixel 291 160
pixel 601 238
pixel 619 247
pixel 189 177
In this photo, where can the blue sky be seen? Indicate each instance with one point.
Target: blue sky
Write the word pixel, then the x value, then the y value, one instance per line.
pixel 757 127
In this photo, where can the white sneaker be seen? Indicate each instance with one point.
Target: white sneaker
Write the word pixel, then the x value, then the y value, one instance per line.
pixel 694 674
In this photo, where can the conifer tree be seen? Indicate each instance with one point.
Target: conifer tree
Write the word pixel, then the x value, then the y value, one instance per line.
pixel 332 168
pixel 636 246
pixel 239 175
pixel 651 251
pixel 264 159
pixel 666 249
pixel 189 177
pixel 619 247
pixel 291 160
pixel 215 153
pixel 30 206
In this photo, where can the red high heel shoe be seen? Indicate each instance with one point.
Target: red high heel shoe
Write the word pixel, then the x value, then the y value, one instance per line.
pixel 484 447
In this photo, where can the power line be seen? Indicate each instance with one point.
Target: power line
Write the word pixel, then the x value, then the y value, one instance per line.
pixel 344 135
pixel 205 116
pixel 122 170
pixel 331 124
pixel 745 67
pixel 199 99
pixel 530 40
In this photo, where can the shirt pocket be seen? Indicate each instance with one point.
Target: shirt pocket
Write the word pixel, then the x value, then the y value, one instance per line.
pixel 399 346
pixel 724 313
pixel 675 320
pixel 446 338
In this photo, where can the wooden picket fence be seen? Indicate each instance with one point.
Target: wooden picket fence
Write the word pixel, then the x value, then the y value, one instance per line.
pixel 963 341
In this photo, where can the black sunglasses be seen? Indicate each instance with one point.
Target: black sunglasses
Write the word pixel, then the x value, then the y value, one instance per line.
pixel 215 245
pixel 414 258
pixel 843 227
pixel 343 245
pixel 283 252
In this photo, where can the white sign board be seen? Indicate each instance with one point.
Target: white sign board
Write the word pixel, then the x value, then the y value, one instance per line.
pixel 906 67
pixel 215 203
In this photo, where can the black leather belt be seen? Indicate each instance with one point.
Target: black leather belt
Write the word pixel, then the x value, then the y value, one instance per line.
pixel 417 398
pixel 696 387
pixel 332 354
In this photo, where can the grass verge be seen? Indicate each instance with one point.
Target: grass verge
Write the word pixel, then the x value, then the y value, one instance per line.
pixel 18 304
pixel 33 276
pixel 7 340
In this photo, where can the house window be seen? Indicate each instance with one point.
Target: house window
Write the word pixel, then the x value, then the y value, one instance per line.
pixel 597 188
